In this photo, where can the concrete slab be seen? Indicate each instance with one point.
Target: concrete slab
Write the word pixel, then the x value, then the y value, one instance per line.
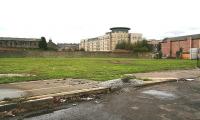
pixel 6 93
pixel 44 87
pixel 170 74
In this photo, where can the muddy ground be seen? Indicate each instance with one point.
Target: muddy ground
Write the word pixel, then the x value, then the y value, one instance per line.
pixel 169 101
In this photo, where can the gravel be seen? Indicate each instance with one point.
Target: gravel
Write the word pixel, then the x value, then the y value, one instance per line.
pixel 118 83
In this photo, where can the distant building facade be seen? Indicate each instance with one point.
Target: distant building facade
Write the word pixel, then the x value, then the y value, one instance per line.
pixel 68 46
pixel 170 46
pixel 109 41
pixel 52 45
pixel 155 44
pixel 9 42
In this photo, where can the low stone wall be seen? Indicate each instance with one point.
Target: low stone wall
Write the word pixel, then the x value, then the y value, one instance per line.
pixel 72 54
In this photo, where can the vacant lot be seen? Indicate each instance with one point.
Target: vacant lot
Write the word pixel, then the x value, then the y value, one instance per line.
pixel 170 101
pixel 85 68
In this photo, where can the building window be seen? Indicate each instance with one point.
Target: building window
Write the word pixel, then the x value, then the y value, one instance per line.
pixel 15 43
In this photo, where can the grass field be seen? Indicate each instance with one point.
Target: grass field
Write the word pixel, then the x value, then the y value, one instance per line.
pixel 85 68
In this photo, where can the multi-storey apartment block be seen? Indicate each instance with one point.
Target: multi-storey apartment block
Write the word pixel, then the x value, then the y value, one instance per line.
pixel 109 41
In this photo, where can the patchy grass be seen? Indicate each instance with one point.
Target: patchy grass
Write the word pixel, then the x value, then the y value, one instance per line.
pixel 86 68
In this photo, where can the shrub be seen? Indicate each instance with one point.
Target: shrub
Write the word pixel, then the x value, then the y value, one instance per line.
pixel 82 49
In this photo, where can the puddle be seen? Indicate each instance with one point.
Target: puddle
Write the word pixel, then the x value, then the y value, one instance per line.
pixel 11 93
pixel 189 79
pixel 160 94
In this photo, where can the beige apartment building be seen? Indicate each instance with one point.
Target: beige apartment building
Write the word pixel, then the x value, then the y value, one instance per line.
pixel 109 41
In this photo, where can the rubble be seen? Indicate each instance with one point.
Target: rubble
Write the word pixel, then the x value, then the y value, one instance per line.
pixel 74 104
pixel 118 83
pixel 87 99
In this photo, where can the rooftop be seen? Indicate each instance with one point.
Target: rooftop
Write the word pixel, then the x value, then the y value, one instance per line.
pixel 113 28
pixel 194 36
pixel 120 29
pixel 19 39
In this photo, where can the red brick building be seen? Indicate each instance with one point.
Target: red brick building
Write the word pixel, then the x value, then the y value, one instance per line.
pixel 170 46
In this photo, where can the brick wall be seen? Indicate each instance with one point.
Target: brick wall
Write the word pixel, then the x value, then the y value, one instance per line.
pixel 196 43
pixel 165 47
pixel 185 45
pixel 173 46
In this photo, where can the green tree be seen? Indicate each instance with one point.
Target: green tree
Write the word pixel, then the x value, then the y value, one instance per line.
pixel 43 43
pixel 120 45
pixel 142 46
pixel 179 53
pixel 159 47
pixel 124 45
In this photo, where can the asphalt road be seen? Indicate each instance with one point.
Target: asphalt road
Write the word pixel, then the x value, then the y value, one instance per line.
pixel 169 101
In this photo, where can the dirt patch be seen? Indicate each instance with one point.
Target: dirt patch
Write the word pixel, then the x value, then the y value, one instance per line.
pixel 120 62
pixel 15 75
pixel 171 74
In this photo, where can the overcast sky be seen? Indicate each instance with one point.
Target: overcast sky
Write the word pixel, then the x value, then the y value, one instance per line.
pixel 68 21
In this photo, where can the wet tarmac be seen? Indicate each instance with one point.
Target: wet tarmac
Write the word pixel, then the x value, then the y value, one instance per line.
pixel 170 101
pixel 6 93
pixel 160 94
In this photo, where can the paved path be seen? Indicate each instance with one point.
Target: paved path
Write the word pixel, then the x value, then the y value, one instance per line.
pixel 169 74
pixel 169 101
pixel 44 87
